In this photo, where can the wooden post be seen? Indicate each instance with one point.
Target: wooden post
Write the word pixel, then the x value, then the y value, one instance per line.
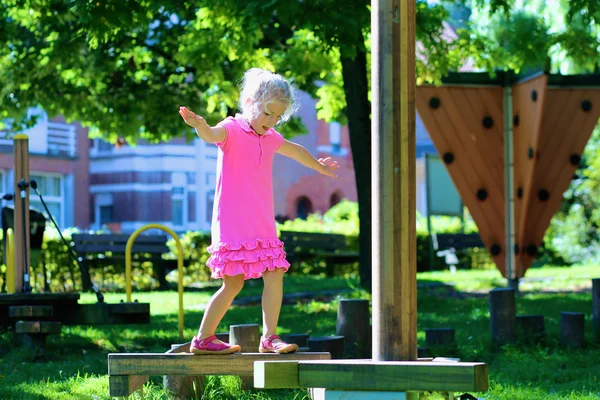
pixel 353 323
pixel 393 158
pixel 503 316
pixel 21 228
pixel 531 328
pixel 572 332
pixel 333 345
pixel 596 308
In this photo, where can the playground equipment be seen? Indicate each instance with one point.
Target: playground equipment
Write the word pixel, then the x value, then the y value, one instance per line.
pixel 128 249
pixel 37 314
pixel 511 145
pixel 394 366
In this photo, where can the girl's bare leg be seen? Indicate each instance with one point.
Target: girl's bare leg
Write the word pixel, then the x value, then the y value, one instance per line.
pixel 219 304
pixel 271 300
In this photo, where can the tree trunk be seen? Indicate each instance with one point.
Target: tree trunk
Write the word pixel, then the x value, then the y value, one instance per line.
pixel 354 72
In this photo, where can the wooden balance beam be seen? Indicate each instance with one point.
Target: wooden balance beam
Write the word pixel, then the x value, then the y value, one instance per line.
pixel 376 376
pixel 129 371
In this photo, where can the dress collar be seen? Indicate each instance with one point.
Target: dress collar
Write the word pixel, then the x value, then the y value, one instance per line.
pixel 247 128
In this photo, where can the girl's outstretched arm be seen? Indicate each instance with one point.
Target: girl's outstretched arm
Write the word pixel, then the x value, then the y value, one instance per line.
pixel 203 130
pixel 325 166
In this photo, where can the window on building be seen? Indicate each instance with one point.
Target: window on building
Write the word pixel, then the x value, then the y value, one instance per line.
pixel 179 199
pixel 335 137
pixel 106 214
pixel 210 200
pixel 51 189
pixel 104 146
pixel 303 207
pixel 177 205
pixel 334 199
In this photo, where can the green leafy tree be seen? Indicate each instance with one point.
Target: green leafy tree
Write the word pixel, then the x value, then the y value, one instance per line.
pixel 123 67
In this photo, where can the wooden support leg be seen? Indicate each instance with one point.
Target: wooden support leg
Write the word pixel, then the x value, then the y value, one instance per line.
pixel 247 336
pixel 183 386
pixel 123 386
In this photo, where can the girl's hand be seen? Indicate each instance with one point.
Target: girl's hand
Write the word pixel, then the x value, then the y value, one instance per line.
pixel 193 120
pixel 329 165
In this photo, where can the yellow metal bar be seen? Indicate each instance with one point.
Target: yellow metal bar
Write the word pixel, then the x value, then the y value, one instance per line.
pixel 128 248
pixel 10 262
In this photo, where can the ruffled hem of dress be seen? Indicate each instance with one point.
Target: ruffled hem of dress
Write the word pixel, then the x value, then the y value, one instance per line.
pixel 249 257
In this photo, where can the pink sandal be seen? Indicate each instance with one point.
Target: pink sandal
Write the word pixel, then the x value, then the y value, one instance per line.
pixel 267 346
pixel 206 346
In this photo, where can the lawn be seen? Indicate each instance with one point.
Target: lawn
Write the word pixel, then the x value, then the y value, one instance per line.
pixel 75 366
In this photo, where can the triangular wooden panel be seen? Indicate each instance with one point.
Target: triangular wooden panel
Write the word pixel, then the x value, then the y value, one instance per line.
pixel 528 107
pixel 570 116
pixel 466 127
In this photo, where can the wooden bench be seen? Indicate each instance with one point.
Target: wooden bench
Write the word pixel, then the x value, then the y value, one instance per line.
pixel 310 246
pixel 100 250
pixel 449 244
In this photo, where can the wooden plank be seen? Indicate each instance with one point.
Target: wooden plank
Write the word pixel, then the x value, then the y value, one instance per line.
pixel 103 313
pixel 129 308
pixel 276 375
pixel 38 298
pixel 375 375
pixel 328 394
pixel 37 327
pixel 240 364
pixel 123 386
pixel 30 311
pixel 158 248
pixel 100 238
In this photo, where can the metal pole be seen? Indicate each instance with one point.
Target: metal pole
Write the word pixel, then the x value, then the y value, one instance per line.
pixel 509 190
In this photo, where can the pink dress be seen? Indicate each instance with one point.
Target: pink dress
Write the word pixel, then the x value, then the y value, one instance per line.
pixel 244 236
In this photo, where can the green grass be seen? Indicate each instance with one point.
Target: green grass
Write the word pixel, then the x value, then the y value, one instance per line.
pixel 75 366
pixel 536 279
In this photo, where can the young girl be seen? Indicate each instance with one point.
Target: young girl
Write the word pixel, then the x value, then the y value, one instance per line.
pixel 244 237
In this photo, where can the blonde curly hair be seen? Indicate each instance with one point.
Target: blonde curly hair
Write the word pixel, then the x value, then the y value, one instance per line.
pixel 259 88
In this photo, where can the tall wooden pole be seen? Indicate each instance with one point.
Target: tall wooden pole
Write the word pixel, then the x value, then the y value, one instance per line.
pixel 21 228
pixel 394 189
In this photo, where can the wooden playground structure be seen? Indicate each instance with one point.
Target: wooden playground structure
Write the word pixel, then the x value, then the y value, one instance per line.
pixel 511 145
pixel 33 316
pixel 393 372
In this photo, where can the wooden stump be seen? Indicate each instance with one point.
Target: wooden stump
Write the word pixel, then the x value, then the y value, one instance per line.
pixel 247 336
pixel 572 330
pixel 353 323
pixel 503 316
pixel 183 386
pixel 301 339
pixel 440 341
pixel 531 328
pixel 439 337
pixel 331 344
pixel 596 308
